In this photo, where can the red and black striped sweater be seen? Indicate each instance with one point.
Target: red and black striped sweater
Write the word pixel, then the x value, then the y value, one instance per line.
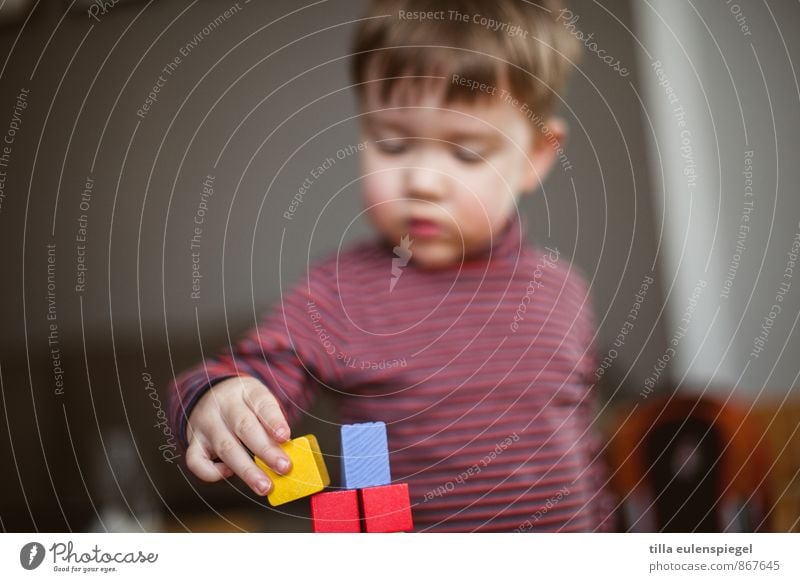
pixel 481 371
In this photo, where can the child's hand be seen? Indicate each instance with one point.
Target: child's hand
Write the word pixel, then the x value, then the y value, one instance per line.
pixel 234 414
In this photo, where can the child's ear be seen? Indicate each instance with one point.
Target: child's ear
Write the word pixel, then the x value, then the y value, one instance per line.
pixel 543 153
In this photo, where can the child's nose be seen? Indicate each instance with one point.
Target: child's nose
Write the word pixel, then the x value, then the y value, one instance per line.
pixel 425 181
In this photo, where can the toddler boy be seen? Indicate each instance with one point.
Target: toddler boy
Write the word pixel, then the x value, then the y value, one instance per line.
pixel 474 347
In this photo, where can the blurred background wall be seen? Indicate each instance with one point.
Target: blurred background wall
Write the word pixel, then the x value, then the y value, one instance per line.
pixel 249 97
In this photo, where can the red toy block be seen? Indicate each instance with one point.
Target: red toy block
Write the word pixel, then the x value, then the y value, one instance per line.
pixel 386 508
pixel 336 511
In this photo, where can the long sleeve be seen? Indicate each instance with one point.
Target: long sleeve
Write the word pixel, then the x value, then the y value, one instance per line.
pixel 601 504
pixel 297 346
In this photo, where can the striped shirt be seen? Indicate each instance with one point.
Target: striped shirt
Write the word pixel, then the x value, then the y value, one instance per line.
pixel 481 371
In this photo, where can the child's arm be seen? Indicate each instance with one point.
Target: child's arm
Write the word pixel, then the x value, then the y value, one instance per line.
pixel 245 400
pixel 601 503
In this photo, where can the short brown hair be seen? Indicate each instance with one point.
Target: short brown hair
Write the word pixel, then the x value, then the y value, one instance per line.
pixel 517 43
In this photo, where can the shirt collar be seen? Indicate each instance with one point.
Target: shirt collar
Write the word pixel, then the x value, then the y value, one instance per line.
pixel 506 245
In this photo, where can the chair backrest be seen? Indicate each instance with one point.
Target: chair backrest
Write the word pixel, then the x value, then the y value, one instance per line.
pixel 691 463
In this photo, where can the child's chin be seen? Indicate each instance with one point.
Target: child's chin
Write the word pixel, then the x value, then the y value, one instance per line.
pixel 434 258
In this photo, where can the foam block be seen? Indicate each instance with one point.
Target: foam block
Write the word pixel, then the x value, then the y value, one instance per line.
pixel 308 475
pixel 365 455
pixel 336 511
pixel 386 509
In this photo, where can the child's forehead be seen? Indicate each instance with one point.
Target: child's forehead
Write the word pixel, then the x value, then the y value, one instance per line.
pixel 429 98
pixel 407 91
pixel 443 80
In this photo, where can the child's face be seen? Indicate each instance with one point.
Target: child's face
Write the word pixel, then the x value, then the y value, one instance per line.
pixel 446 176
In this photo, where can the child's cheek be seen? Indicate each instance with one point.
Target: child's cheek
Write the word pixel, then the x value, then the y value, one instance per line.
pixel 377 188
pixel 496 197
pixel 482 220
pixel 382 203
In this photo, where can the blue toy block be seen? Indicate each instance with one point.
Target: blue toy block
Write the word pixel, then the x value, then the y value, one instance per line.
pixel 365 455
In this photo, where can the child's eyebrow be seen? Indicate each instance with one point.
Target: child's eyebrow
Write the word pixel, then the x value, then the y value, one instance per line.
pixel 455 135
pixel 459 135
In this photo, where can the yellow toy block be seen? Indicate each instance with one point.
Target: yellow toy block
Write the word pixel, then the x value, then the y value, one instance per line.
pixel 308 475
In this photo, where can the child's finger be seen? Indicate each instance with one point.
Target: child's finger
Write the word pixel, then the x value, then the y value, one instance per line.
pixel 234 455
pixel 224 469
pixel 199 462
pixel 268 411
pixel 253 435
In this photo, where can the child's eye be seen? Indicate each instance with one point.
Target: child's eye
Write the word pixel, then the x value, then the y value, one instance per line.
pixel 467 155
pixel 392 146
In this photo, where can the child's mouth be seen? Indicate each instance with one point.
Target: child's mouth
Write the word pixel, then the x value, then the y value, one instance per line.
pixel 423 228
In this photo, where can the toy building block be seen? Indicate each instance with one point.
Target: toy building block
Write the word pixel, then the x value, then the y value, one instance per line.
pixel 307 476
pixel 365 455
pixel 336 511
pixel 386 509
